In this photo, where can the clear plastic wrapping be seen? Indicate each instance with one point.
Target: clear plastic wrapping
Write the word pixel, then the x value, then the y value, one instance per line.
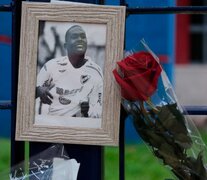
pixel 148 96
pixel 51 164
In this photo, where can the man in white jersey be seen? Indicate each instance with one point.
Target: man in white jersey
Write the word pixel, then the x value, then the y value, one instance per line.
pixel 72 85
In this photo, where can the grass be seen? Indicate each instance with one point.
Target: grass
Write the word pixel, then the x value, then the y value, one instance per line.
pixel 140 164
pixel 4 156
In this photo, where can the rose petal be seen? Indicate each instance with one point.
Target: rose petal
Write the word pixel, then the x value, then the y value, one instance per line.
pixel 140 76
pixel 128 91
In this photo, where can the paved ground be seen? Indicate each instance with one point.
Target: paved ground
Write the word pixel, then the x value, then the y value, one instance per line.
pixel 191 87
pixel 191 84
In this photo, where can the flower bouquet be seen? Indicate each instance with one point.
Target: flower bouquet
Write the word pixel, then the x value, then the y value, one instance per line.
pixel 148 97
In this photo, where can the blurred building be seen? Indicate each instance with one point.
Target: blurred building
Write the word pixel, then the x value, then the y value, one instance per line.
pixel 191 59
pixel 5 69
pixel 191 56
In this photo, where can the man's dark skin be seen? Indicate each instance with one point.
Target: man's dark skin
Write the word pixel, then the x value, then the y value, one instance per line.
pixel 76 45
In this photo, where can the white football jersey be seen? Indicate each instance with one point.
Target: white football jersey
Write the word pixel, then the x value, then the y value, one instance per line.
pixel 71 86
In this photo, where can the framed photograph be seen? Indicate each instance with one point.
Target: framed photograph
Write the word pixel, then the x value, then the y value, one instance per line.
pixel 66 91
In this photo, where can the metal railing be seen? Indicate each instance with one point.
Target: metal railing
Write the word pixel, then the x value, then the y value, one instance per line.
pixel 93 163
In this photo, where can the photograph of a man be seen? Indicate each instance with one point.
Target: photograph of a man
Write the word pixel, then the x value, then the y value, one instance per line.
pixel 71 85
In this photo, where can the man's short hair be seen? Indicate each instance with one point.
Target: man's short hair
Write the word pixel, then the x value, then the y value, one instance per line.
pixel 68 31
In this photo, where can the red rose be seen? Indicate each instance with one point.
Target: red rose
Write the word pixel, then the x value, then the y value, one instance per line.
pixel 139 76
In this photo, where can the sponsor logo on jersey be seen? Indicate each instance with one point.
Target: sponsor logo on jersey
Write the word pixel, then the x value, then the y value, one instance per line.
pixel 72 92
pixel 64 101
pixel 84 78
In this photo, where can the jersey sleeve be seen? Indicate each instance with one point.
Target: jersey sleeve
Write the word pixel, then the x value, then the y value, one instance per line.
pixel 96 98
pixel 44 75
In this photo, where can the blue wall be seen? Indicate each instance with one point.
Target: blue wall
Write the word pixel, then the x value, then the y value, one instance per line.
pixel 5 69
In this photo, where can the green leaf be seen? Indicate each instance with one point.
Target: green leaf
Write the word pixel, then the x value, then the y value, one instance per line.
pixel 167 135
pixel 171 118
pixel 168 155
pixel 153 138
pixel 183 140
pixel 173 122
pixel 197 168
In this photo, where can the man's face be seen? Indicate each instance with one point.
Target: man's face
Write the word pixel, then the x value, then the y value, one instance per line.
pixel 76 42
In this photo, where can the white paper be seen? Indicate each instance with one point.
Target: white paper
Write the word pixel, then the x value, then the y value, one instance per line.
pixel 65 169
pixel 69 2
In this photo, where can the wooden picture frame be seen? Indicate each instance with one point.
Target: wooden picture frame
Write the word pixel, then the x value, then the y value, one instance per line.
pixel 32 125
